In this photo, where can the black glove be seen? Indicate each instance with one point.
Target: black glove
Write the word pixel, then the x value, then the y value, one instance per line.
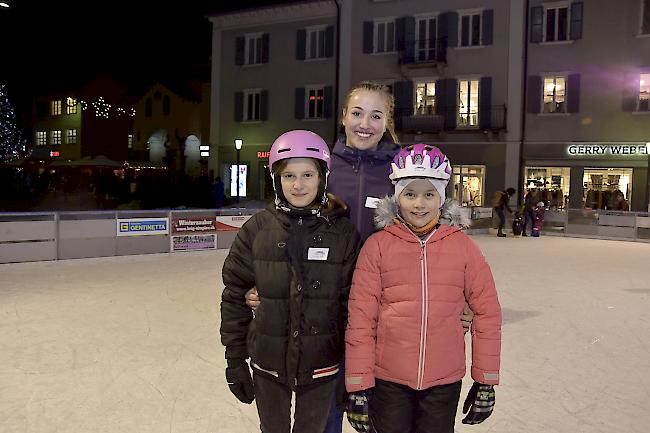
pixel 240 381
pixel 480 399
pixel 358 410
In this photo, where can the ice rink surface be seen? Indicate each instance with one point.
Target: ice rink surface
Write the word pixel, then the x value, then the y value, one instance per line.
pixel 130 344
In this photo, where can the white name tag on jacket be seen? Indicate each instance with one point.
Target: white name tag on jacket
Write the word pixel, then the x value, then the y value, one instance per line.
pixel 318 253
pixel 372 202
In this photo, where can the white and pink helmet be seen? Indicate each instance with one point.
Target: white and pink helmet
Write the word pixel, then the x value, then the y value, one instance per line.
pixel 420 160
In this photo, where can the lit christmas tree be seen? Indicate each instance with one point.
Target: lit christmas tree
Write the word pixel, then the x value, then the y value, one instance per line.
pixel 12 145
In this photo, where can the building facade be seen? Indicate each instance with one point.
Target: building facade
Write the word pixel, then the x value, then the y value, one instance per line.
pixel 587 114
pixel 94 120
pixel 535 97
pixel 171 128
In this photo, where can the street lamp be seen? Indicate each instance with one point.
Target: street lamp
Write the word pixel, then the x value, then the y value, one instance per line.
pixel 238 144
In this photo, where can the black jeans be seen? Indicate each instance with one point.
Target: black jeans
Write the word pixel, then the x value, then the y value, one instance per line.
pixel 274 405
pixel 396 408
pixel 529 217
pixel 502 218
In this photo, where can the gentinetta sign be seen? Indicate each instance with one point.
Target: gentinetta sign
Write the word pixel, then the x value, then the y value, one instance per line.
pixel 607 149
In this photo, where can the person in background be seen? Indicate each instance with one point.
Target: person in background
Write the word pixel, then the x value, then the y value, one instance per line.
pixel 218 189
pixel 529 211
pixel 500 203
pixel 405 352
pixel 300 253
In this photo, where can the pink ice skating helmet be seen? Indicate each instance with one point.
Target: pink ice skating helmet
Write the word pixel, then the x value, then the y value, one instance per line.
pixel 420 160
pixel 300 143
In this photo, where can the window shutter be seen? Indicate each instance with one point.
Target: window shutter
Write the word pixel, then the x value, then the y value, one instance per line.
pixel 485 103
pixel 265 48
pixel 488 26
pixel 239 106
pixel 536 24
pixel 301 44
pixel 409 39
pixel 447 101
pixel 264 105
pixel 449 29
pixel 300 103
pixel 403 91
pixel 368 37
pixel 405 31
pixel 577 9
pixel 573 94
pixel 329 41
pixel 645 20
pixel 534 94
pixel 630 92
pixel 240 49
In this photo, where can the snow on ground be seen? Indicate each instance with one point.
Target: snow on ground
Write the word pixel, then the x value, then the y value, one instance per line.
pixel 130 344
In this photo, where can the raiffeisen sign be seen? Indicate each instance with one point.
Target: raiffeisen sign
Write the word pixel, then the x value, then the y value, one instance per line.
pixel 608 149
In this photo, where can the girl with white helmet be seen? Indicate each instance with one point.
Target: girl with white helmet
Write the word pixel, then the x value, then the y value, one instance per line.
pixel 300 254
pixel 405 351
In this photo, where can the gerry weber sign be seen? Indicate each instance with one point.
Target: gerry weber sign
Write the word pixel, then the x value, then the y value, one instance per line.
pixel 608 149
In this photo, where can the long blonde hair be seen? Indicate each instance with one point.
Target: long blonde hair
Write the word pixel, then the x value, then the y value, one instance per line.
pixel 382 89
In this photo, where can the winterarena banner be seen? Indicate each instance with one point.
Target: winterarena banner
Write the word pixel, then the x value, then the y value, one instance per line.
pixel 193 225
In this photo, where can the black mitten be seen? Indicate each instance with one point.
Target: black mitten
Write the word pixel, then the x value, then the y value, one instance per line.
pixel 240 381
pixel 479 402
pixel 358 410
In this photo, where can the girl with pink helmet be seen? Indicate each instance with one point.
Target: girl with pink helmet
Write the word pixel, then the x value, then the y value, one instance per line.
pixel 300 254
pixel 405 351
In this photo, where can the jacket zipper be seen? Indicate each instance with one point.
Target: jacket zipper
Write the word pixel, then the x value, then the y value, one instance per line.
pixel 361 180
pixel 424 324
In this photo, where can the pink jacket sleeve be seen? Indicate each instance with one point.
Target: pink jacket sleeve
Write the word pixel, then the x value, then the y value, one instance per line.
pixel 481 294
pixel 363 312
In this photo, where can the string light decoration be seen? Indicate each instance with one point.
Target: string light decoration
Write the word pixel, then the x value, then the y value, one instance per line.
pixel 104 109
pixel 12 143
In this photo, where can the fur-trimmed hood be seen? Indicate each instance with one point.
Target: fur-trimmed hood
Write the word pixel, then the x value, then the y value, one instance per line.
pixel 450 214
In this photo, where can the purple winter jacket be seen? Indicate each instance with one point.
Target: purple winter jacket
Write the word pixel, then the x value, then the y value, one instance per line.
pixel 360 176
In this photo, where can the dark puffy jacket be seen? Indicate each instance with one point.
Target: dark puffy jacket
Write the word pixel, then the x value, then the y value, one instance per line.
pixel 359 174
pixel 302 266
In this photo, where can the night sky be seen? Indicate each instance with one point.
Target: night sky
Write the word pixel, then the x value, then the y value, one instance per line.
pixel 57 45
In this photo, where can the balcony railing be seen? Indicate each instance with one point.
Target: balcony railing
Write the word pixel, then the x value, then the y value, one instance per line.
pixel 419 123
pixel 432 122
pixel 422 51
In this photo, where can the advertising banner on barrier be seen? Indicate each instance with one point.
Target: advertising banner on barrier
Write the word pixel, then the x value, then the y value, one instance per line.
pixel 194 242
pixel 231 223
pixel 193 225
pixel 142 226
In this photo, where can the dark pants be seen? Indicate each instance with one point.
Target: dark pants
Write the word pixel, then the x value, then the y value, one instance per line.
pixel 396 408
pixel 502 218
pixel 335 418
pixel 274 405
pixel 529 216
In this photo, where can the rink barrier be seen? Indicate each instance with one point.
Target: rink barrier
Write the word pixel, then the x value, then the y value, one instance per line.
pixel 39 236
